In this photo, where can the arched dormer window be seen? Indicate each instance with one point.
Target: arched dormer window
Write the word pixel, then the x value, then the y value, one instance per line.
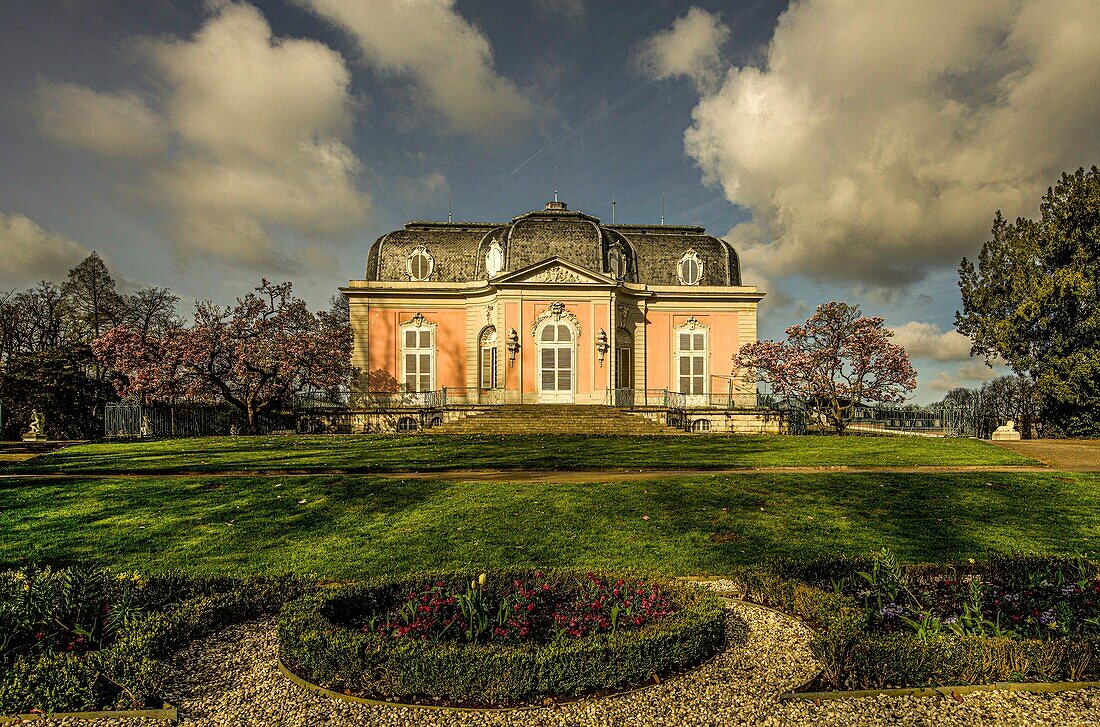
pixel 494 259
pixel 487 363
pixel 420 264
pixel 690 268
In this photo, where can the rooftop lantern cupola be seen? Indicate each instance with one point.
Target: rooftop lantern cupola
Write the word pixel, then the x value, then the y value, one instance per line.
pixel 556 204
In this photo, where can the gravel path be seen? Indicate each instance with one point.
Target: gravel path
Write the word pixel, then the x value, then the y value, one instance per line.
pixel 231 679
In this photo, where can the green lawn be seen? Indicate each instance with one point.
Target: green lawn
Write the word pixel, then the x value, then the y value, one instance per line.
pixel 364 454
pixel 356 524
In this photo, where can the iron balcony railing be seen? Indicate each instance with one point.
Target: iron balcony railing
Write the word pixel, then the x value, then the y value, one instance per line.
pixel 630 398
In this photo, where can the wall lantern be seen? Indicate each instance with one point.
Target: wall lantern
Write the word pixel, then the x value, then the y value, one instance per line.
pixel 513 346
pixel 601 344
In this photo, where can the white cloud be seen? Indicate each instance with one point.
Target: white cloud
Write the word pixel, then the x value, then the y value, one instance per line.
pixel 449 59
pixel 31 253
pixel 879 138
pixel 927 341
pixel 690 48
pixel 114 124
pixel 968 375
pixel 258 129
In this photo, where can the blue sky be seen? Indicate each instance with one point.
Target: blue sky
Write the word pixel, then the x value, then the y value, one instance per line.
pixel 849 150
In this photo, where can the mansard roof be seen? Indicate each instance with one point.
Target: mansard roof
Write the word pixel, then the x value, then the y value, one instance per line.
pixel 458 249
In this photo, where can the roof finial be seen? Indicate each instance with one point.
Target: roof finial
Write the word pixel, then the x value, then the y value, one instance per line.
pixel 555 195
pixel 449 206
pixel 662 208
pixel 612 211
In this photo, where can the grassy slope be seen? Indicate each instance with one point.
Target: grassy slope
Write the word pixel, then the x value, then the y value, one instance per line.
pixel 426 453
pixel 361 524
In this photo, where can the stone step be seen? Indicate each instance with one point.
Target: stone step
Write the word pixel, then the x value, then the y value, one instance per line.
pixel 553 419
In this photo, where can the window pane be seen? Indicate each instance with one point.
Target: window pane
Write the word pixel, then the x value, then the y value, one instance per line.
pixel 685 365
pixel 493 376
pixel 410 363
pixel 685 385
pixel 547 334
pixel 563 333
pixel 410 339
pixel 697 365
pixel 565 377
pixel 425 339
pixel 548 379
pixel 565 357
pixel 548 358
pixel 425 383
pixel 685 341
pixel 700 342
pixel 410 383
pixel 425 363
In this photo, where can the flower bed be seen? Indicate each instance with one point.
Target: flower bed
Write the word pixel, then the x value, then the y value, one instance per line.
pixel 81 639
pixel 504 639
pixel 879 624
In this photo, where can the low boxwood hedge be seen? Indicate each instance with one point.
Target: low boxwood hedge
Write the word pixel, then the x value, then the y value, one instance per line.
pixel 853 656
pixel 314 645
pixel 128 672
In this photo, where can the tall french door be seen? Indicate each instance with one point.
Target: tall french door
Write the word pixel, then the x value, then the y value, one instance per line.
pixel 556 370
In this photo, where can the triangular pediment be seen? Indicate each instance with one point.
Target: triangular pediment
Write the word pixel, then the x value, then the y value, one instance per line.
pixel 553 271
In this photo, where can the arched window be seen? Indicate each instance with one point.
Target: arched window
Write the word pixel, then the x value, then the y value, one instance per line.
pixel 406 424
pixel 436 422
pixel 494 259
pixel 420 264
pixel 700 425
pixel 690 268
pixel 691 358
pixel 418 354
pixel 488 358
pixel 556 344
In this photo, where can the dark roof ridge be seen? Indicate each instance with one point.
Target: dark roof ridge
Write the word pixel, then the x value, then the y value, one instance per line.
pixel 620 227
pixel 432 223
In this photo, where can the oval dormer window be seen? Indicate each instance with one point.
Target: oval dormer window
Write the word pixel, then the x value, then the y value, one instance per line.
pixel 494 259
pixel 616 261
pixel 420 264
pixel 690 269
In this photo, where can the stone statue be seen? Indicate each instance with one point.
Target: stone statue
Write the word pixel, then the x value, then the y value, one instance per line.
pixel 38 427
pixel 1006 433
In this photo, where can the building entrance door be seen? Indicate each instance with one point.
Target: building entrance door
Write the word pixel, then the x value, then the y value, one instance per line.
pixel 556 373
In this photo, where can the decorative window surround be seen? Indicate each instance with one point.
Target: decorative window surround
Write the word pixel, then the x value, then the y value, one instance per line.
pixel 418 349
pixel 691 341
pixel 690 268
pixel 556 311
pixel 420 264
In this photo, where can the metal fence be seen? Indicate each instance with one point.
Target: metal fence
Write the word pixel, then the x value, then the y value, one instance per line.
pixel 137 421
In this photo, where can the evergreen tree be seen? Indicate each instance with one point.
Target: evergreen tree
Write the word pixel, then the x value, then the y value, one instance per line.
pixel 1034 300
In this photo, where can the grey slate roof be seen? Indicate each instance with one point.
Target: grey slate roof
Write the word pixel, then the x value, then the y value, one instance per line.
pixel 458 248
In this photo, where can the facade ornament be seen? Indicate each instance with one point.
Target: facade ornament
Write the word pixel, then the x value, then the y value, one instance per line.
pixel 556 274
pixel 602 345
pixel 513 346
pixel 623 312
pixel 417 321
pixel 694 323
pixel 557 311
pixel 489 314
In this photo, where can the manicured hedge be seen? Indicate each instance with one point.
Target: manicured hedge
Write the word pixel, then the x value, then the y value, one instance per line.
pixel 129 673
pixel 487 674
pixel 854 657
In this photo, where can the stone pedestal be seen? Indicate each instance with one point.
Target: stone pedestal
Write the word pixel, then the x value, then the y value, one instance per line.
pixel 1006 433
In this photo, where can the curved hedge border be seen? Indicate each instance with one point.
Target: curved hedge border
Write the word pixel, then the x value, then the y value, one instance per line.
pixel 129 674
pixel 345 660
pixel 853 657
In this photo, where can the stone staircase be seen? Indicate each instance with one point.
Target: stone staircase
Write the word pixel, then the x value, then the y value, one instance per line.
pixel 553 419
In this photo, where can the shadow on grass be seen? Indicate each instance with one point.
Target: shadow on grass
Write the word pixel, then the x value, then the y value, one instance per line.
pixel 343 526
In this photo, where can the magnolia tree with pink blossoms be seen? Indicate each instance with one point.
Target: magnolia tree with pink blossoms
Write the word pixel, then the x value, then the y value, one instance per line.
pixel 834 362
pixel 255 355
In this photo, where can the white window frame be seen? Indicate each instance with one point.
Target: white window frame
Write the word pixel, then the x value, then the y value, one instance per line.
pixel 409 264
pixel 620 359
pixel 613 253
pixel 692 328
pixel 490 347
pixel 693 256
pixel 556 396
pixel 419 325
